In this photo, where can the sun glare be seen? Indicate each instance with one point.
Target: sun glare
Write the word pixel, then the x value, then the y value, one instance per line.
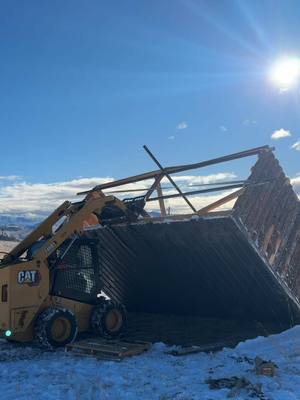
pixel 285 73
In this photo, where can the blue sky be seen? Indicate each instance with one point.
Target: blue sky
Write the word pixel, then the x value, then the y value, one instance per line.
pixel 84 84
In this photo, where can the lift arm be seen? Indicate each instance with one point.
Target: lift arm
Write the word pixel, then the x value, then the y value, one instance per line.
pixel 72 215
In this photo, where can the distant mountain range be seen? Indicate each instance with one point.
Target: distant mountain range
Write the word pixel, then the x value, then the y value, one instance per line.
pixel 16 227
pixel 19 220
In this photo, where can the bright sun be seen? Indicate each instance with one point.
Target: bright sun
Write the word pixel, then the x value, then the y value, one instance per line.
pixel 285 73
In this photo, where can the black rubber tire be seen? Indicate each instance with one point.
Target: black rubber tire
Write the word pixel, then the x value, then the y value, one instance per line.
pixel 99 319
pixel 44 323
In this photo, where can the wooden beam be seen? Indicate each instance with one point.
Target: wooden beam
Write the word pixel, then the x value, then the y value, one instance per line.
pixel 220 202
pixel 161 202
pixel 154 186
pixel 192 193
pixel 180 168
pixel 170 179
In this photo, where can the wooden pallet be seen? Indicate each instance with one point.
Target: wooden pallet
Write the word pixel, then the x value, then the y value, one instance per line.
pixel 113 350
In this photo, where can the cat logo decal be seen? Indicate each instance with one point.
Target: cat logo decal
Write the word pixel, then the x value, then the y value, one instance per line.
pixel 29 277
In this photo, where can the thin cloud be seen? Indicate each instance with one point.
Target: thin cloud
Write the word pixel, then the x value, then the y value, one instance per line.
pixel 202 179
pixel 248 122
pixel 223 128
pixel 178 205
pixel 296 146
pixel 280 133
pixel 37 200
pixel 172 137
pixel 182 125
pixel 295 181
pixel 10 178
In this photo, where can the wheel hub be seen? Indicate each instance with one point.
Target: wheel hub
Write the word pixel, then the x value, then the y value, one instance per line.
pixel 113 320
pixel 61 329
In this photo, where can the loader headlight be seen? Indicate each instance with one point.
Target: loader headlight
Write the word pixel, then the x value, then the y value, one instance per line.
pixel 8 333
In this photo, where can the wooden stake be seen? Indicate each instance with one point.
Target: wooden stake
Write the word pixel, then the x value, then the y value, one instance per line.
pixel 161 200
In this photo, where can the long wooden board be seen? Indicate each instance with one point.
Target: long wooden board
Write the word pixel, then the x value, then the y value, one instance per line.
pixel 113 350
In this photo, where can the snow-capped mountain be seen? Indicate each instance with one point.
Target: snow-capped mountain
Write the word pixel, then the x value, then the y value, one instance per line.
pixel 16 227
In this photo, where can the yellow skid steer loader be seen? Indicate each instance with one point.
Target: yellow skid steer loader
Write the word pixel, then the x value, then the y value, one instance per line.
pixel 50 283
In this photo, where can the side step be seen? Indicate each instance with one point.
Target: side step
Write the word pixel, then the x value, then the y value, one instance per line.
pixel 103 349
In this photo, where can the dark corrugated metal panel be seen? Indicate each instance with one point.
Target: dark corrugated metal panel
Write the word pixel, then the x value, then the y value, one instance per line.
pixel 203 266
pixel 271 214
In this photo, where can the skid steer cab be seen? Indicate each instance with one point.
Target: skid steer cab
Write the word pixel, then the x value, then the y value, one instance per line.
pixel 50 283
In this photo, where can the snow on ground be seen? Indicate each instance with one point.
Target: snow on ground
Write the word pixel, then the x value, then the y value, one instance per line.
pixel 29 373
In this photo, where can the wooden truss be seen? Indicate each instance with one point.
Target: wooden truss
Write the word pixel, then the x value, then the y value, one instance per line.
pixel 166 172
